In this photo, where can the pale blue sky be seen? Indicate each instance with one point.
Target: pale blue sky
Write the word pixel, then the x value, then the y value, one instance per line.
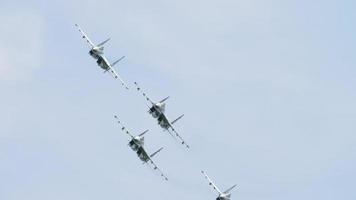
pixel 267 89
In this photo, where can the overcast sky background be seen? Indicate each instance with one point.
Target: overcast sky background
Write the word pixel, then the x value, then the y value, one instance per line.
pixel 267 89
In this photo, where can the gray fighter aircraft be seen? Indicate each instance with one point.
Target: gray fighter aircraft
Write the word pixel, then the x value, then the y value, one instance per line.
pixel 226 195
pixel 157 110
pixel 97 52
pixel 137 144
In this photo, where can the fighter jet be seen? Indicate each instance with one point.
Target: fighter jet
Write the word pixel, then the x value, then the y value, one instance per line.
pixel 136 141
pixel 157 110
pixel 222 195
pixel 137 144
pixel 97 52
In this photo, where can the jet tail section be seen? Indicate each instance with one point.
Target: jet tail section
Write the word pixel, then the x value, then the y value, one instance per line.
pixel 102 43
pixel 174 121
pixel 114 63
pixel 156 152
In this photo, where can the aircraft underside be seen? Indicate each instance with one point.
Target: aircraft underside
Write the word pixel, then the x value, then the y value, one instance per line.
pixel 102 64
pixel 94 55
pixel 154 112
pixel 133 145
pixel 141 155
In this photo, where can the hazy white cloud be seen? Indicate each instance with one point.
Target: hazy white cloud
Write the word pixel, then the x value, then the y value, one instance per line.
pixel 22 44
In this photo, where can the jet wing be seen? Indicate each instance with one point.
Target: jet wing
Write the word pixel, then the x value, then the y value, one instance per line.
pixel 176 134
pixel 123 128
pixel 180 138
pixel 112 71
pixel 143 93
pixel 116 75
pixel 211 182
pixel 159 170
pixel 150 161
pixel 85 36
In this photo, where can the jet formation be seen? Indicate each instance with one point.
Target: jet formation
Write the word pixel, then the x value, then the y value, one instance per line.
pixel 155 109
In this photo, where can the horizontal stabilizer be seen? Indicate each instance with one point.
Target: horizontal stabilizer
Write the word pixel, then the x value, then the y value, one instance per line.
pixel 228 190
pixel 114 63
pixel 156 152
pixel 163 100
pixel 101 44
pixel 174 121
pixel 143 133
